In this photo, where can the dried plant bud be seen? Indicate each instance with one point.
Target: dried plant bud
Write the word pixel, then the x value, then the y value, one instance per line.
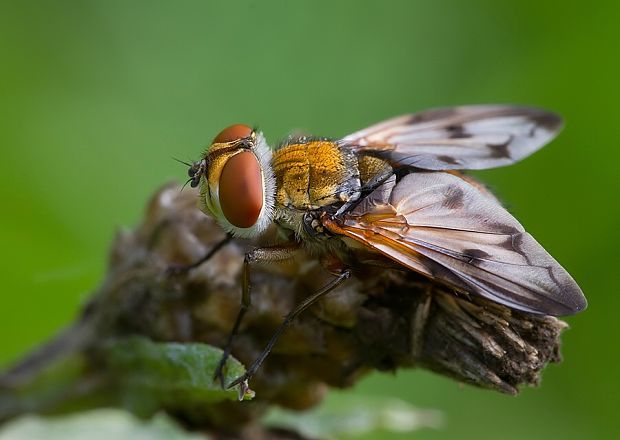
pixel 380 319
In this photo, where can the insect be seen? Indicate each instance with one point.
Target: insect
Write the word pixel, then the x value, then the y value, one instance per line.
pixel 393 191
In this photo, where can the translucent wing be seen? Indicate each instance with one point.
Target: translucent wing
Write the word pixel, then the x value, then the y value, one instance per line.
pixel 441 226
pixel 468 137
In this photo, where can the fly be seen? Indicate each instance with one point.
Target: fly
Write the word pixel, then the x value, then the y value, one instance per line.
pixel 394 191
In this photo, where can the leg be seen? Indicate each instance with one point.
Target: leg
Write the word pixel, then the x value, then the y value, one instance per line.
pixel 179 269
pixel 243 380
pixel 266 254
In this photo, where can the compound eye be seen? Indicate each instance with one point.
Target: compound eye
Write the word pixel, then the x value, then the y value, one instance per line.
pixel 241 190
pixel 232 133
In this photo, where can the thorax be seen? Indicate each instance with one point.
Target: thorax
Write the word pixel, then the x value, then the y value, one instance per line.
pixel 316 175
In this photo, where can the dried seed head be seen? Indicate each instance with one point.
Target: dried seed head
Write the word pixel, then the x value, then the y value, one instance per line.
pixel 380 319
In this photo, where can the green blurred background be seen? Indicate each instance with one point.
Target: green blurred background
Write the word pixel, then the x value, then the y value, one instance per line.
pixel 96 97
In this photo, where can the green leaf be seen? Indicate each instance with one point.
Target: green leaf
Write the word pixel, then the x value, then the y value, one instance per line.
pixel 152 375
pixel 346 414
pixel 134 373
pixel 102 424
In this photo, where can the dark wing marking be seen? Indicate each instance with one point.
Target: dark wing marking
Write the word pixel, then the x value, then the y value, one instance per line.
pixel 468 137
pixel 441 226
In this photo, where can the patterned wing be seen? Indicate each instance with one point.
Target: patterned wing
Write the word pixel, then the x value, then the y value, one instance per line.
pixel 441 226
pixel 468 137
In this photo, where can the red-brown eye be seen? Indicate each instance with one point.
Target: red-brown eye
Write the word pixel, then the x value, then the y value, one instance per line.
pixel 232 133
pixel 241 190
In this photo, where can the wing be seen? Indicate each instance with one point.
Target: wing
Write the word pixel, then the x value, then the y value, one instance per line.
pixel 441 226
pixel 469 137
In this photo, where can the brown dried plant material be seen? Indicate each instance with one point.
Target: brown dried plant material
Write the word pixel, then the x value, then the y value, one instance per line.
pixel 378 320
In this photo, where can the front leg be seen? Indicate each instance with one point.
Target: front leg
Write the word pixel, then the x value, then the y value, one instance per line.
pixel 258 255
pixel 184 268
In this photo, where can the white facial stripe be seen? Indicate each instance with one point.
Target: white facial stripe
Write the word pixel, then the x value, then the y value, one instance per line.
pixel 212 204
